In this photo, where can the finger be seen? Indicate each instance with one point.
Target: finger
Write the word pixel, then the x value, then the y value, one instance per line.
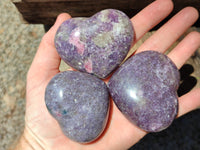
pixel 163 38
pixel 151 16
pixel 189 102
pixel 52 32
pixel 185 49
pixel 47 58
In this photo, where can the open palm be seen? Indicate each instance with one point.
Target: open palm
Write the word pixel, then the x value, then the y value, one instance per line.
pixel 119 134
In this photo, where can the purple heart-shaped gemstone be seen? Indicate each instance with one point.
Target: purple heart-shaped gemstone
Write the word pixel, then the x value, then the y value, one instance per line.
pixel 96 45
pixel 144 90
pixel 80 104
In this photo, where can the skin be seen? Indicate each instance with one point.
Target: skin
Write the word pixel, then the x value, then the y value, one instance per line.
pixel 43 132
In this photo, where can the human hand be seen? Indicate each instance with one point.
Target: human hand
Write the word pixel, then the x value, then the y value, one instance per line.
pixel 42 130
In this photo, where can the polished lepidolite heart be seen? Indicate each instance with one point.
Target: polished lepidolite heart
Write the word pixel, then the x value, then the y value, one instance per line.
pixel 95 45
pixel 80 104
pixel 144 90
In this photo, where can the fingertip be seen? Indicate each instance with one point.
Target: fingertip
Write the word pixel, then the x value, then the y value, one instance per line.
pixel 191 11
pixel 52 31
pixel 61 18
pixel 169 5
pixel 195 37
pixel 166 5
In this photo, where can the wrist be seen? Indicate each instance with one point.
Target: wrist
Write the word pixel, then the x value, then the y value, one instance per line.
pixel 28 142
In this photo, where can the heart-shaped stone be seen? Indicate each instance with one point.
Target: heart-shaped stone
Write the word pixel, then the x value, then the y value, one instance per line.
pixel 95 45
pixel 144 90
pixel 80 104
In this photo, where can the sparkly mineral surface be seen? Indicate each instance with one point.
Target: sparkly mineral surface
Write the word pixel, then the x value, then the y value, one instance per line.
pixel 95 45
pixel 144 90
pixel 80 104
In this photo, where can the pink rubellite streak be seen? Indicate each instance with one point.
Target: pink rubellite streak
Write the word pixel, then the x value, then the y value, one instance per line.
pixel 88 66
pixel 75 40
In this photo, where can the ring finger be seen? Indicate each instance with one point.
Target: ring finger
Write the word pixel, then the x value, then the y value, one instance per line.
pixel 163 38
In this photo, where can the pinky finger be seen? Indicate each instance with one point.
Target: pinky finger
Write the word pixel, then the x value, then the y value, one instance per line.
pixel 189 102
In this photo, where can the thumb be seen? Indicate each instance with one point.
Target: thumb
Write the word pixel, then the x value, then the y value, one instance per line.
pixel 47 59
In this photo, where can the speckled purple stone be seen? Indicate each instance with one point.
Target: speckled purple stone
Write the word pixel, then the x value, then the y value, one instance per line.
pixel 80 104
pixel 144 90
pixel 95 45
